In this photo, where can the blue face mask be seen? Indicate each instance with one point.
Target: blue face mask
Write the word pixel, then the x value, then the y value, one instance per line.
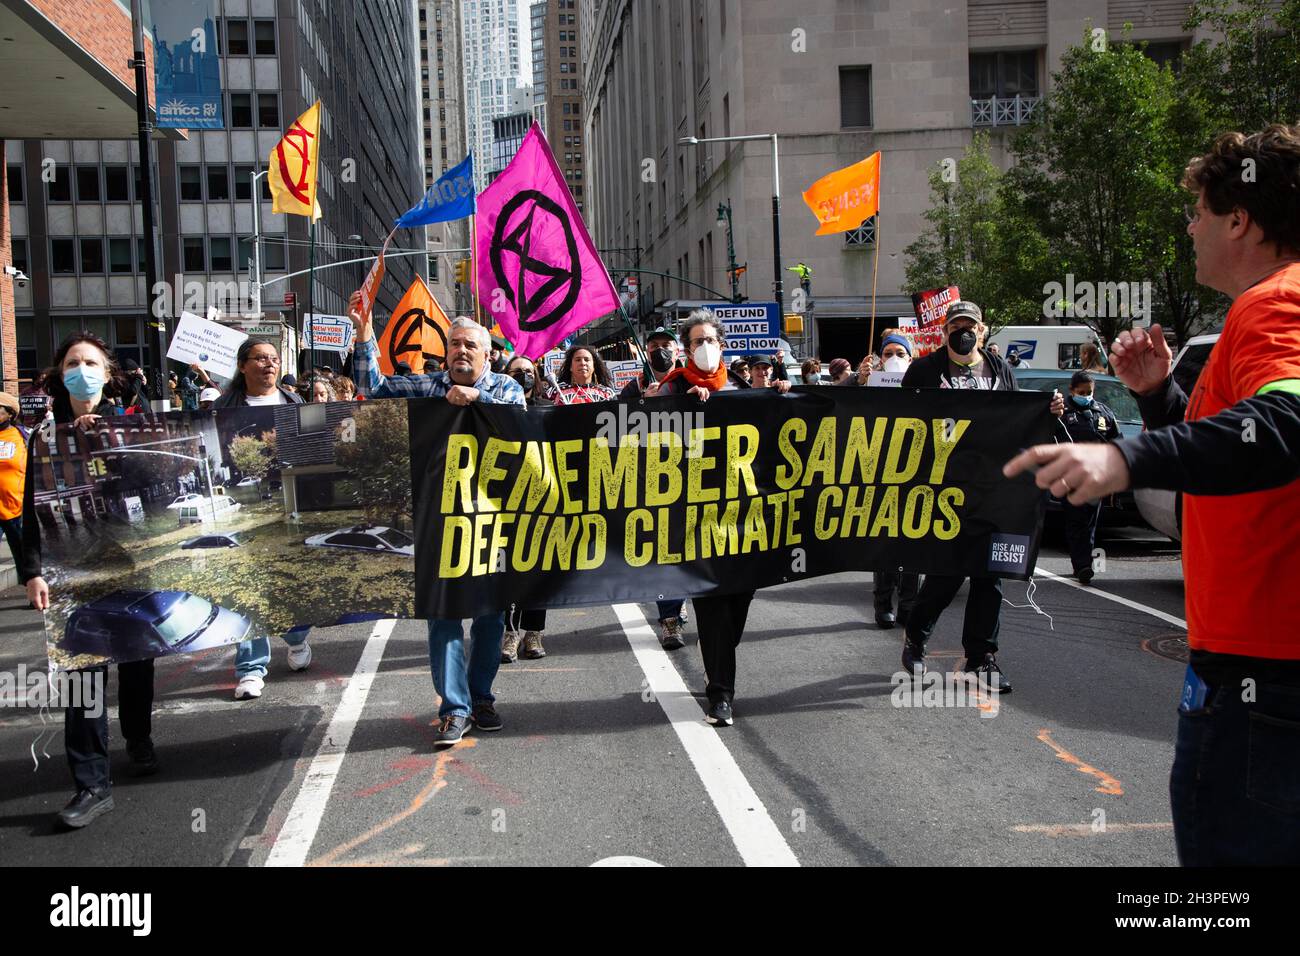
pixel 83 382
pixel 1083 401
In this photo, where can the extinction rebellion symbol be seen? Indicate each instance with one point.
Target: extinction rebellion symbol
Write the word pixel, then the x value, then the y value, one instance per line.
pixel 408 337
pixel 528 211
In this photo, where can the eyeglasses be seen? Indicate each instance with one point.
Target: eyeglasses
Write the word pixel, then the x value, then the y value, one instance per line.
pixel 1192 214
pixel 710 340
pixel 265 359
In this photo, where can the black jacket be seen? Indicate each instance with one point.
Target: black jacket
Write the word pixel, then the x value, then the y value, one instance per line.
pixel 1096 423
pixel 1209 456
pixel 931 371
pixel 237 398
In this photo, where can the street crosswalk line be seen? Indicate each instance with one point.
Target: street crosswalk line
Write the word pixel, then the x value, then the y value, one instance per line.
pixel 1167 618
pixel 750 826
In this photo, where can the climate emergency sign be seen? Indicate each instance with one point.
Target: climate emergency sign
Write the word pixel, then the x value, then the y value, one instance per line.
pixel 596 504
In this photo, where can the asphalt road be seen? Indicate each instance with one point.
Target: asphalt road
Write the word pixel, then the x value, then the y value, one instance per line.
pixel 605 754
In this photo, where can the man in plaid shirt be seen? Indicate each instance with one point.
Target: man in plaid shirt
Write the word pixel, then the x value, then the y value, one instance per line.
pixel 466 692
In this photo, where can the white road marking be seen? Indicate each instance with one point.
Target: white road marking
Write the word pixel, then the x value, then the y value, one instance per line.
pixel 747 821
pixel 1167 618
pixel 293 842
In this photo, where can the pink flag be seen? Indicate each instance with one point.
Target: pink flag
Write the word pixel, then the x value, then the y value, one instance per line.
pixel 538 272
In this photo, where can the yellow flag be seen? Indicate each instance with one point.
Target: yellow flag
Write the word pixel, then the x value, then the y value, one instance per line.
pixel 416 330
pixel 292 165
pixel 846 198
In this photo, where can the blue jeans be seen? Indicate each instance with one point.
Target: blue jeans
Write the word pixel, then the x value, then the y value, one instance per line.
pixel 252 656
pixel 458 686
pixel 1235 784
pixel 669 609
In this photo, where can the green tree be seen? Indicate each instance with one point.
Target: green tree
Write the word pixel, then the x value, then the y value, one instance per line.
pixel 253 456
pixel 975 243
pixel 379 456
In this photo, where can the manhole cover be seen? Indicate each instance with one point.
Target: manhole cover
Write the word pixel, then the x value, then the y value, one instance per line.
pixel 1171 646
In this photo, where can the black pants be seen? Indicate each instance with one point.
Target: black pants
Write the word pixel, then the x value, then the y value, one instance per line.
pixel 86 737
pixel 979 634
pixel 1081 532
pixel 13 528
pixel 533 619
pixel 721 623
pixel 887 582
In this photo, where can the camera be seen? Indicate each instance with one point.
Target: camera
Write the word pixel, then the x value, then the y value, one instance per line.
pixel 20 278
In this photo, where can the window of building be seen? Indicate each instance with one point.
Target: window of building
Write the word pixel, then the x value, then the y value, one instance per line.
pixel 119 254
pixel 268 110
pixel 92 256
pixel 63 256
pixel 218 183
pixel 241 110
pixel 87 184
pixel 59 189
pixel 273 255
pixel 1004 74
pixel 117 184
pixel 18 250
pixel 1165 53
pixel 243 183
pixel 219 250
pixel 193 254
pixel 855 96
pixel 237 37
pixel 15 184
pixel 191 183
pixel 864 235
pixel 264 37
pixel 140 256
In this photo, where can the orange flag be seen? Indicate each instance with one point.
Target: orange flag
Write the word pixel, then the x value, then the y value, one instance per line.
pixel 370 288
pixel 846 198
pixel 292 165
pixel 417 330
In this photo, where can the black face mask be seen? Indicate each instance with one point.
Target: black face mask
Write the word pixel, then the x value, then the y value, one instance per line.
pixel 962 341
pixel 661 359
pixel 524 378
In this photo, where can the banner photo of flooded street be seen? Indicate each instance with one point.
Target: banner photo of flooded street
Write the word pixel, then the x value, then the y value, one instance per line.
pixel 172 533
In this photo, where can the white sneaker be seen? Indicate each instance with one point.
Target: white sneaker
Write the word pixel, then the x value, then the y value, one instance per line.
pixel 249 687
pixel 300 656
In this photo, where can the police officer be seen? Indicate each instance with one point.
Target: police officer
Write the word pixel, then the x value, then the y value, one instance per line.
pixel 1087 420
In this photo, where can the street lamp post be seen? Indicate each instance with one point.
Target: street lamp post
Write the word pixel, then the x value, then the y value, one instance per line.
pixel 778 284
pixel 724 220
pixel 257 244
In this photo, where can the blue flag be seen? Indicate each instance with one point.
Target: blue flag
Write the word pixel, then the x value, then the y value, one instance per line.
pixel 451 197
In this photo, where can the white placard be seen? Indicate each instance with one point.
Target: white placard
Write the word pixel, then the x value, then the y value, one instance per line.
pixel 329 333
pixel 886 379
pixel 211 345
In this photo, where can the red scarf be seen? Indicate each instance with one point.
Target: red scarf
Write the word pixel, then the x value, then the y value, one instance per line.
pixel 713 382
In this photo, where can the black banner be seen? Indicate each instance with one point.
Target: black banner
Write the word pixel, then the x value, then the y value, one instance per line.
pixel 671 497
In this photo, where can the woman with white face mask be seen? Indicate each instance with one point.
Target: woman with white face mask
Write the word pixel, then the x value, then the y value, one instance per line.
pixel 721 618
pixel 895 356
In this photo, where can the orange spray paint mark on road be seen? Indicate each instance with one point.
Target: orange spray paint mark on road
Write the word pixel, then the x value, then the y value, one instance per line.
pixel 437 780
pixel 1109 785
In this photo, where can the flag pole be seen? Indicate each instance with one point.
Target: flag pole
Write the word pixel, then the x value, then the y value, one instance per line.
pixel 875 269
pixel 473 267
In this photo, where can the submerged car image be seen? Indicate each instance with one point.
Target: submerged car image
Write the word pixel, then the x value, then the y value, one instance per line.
pixel 211 541
pixel 375 538
pixel 132 625
pixel 181 501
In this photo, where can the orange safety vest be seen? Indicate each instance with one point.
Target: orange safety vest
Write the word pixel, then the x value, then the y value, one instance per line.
pixel 13 472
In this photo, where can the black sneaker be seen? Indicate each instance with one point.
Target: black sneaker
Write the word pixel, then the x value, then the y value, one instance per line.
pixel 451 730
pixel 1084 575
pixel 144 762
pixel 82 809
pixel 902 617
pixel 886 619
pixel 719 713
pixel 486 716
pixel 988 674
pixel 913 658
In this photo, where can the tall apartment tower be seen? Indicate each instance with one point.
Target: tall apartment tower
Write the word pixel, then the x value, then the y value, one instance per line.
pixel 490 52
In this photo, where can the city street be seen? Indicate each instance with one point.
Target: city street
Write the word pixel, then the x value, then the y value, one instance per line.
pixel 605 753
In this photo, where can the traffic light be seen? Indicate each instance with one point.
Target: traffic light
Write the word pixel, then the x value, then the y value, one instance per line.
pixel 462 272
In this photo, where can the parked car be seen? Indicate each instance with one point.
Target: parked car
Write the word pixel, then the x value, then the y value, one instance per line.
pixel 374 538
pixel 181 501
pixel 1119 508
pixel 211 541
pixel 131 625
pixel 1163 509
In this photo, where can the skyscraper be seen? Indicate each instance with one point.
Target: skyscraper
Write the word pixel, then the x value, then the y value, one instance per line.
pixel 491 65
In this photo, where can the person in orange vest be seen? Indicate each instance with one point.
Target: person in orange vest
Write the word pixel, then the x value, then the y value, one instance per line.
pixel 13 472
